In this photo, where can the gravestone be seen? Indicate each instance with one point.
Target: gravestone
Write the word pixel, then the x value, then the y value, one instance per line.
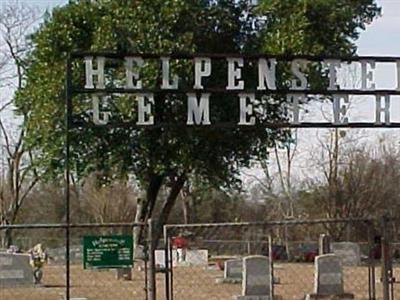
pixel 57 255
pixel 233 270
pixel 328 275
pixel 140 253
pixel 257 283
pixel 348 252
pixel 15 270
pixel 328 280
pixel 198 258
pixel 160 258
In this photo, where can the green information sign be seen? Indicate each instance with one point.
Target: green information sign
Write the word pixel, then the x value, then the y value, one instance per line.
pixel 107 252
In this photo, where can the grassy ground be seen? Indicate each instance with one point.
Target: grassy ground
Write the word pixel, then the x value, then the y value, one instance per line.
pixel 296 280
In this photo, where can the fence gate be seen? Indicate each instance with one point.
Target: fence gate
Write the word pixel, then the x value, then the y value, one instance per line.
pixel 194 257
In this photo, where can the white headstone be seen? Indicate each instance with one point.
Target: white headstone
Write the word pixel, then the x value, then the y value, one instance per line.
pixel 192 258
pixel 257 279
pixel 160 258
pixel 197 257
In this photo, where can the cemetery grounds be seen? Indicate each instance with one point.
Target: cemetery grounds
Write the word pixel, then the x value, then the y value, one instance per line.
pixel 296 279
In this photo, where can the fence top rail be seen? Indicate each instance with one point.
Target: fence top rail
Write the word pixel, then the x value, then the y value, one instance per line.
pixel 261 241
pixel 271 223
pixel 182 55
pixel 63 226
pixel 167 226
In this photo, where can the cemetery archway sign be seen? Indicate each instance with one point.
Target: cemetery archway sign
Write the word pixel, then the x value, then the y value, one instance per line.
pixel 101 80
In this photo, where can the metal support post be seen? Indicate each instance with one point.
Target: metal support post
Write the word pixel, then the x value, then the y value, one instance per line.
pixel 167 263
pixel 386 260
pixel 151 287
pixel 371 264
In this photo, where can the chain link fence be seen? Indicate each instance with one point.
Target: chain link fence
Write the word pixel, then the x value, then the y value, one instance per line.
pixel 84 281
pixel 205 261
pixel 200 254
pixel 16 272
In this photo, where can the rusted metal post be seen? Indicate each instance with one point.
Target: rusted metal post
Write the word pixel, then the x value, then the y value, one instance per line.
pixel 271 265
pixel 371 264
pixel 385 271
pixel 167 263
pixel 151 287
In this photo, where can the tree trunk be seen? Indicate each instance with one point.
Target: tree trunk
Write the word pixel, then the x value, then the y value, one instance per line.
pixel 193 212
pixel 167 207
pixel 185 207
pixel 7 238
pixel 151 195
pixel 146 210
pixel 136 230
pixel 287 244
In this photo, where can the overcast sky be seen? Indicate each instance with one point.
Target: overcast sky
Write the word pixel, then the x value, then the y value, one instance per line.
pixel 382 37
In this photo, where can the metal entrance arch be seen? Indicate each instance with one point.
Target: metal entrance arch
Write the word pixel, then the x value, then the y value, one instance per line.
pixel 76 61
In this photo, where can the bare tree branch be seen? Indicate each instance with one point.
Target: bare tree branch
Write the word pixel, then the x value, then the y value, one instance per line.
pixel 7 104
pixel 6 139
pixel 16 20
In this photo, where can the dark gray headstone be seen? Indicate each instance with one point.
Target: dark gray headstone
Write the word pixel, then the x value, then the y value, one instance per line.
pixel 233 272
pixel 233 269
pixel 257 283
pixel 15 270
pixel 348 252
pixel 328 275
pixel 257 276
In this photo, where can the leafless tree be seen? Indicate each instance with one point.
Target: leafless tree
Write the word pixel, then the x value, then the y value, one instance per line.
pixel 16 22
pixel 362 182
pixel 112 203
pixel 277 186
